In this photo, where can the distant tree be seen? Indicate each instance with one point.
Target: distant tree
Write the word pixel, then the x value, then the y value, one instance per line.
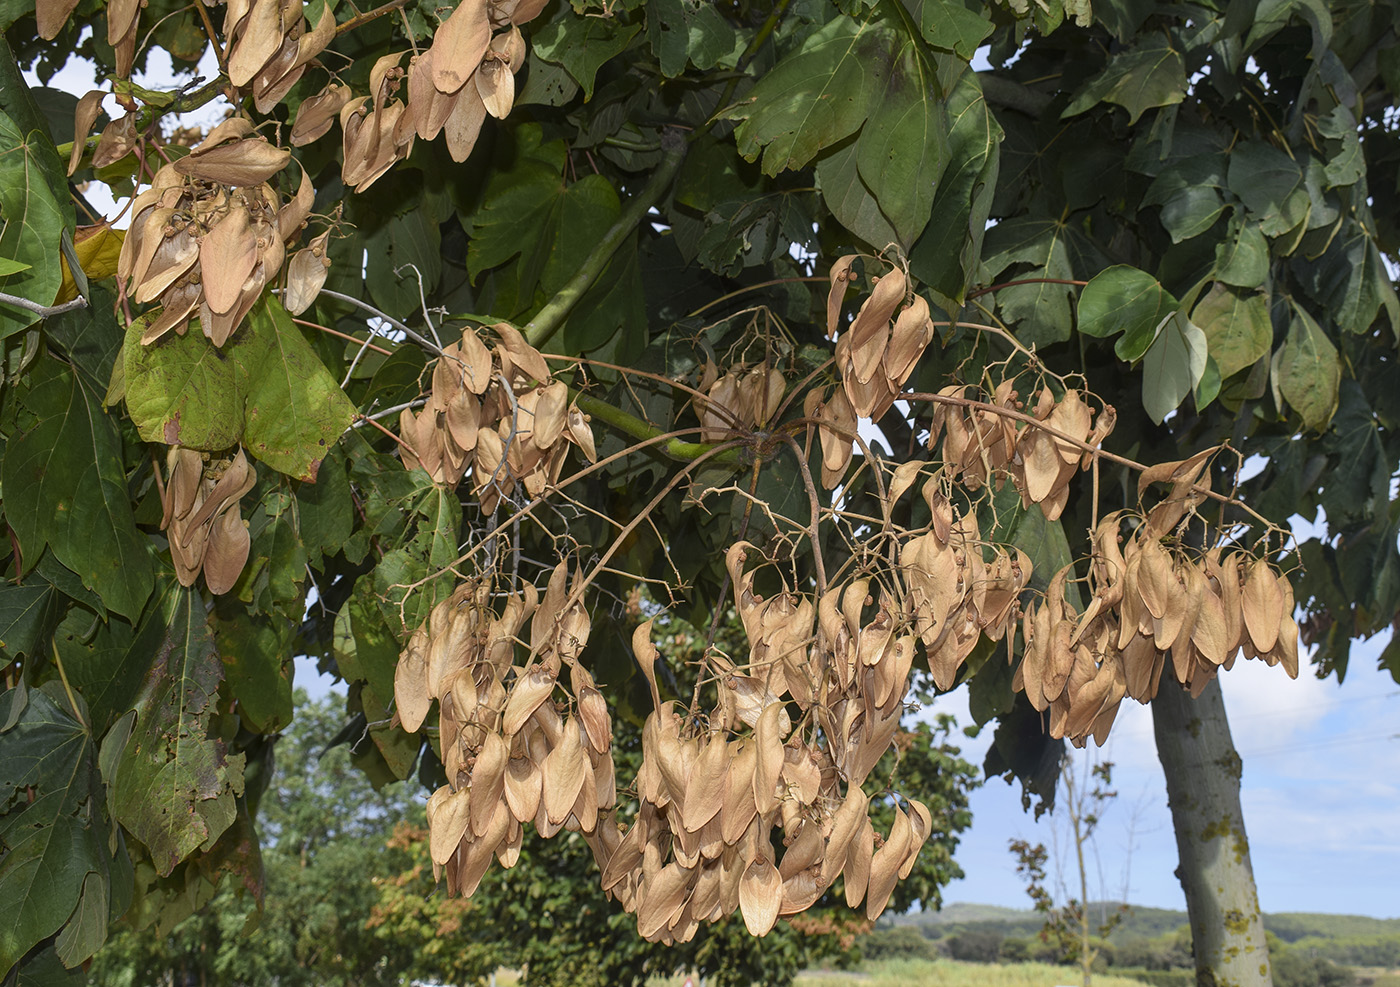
pixel 900 942
pixel 975 945
pixel 1084 796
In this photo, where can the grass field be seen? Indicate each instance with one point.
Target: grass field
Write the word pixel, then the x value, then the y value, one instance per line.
pixel 951 973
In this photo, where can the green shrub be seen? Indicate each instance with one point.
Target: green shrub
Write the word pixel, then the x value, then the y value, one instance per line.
pixel 975 946
pixel 902 942
pixel 1159 978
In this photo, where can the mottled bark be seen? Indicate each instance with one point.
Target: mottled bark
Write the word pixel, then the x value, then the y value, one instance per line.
pixel 1203 791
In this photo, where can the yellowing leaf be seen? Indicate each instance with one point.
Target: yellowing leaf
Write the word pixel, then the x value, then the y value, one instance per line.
pixel 98 248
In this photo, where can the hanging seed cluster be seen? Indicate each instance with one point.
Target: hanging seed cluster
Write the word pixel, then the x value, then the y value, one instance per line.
pixel 741 399
pixel 201 516
pixel 880 349
pixel 209 234
pixel 711 794
pixel 466 75
pixel 953 594
pixel 269 46
pixel 510 757
pixel 498 412
pixel 1041 456
pixel 1154 605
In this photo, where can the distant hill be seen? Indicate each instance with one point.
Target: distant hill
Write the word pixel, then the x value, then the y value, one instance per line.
pixel 1141 922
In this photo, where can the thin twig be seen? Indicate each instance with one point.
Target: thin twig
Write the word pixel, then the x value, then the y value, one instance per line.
pixel 361 419
pixel 1011 284
pixel 814 528
pixel 371 421
pixel 343 335
pixel 369 15
pixel 366 306
pixel 42 311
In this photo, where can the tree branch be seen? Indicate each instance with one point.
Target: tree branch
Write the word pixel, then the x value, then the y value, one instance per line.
pixel 1003 92
pixel 42 311
pixel 548 320
pixel 645 431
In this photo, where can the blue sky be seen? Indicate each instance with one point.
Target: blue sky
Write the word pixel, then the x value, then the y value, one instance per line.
pixel 1321 797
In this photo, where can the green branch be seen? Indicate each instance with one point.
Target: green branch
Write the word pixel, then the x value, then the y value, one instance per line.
pixel 641 430
pixel 548 319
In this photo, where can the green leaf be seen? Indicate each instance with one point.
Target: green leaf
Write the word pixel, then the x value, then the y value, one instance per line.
pixel 1124 299
pixel 34 211
pixel 903 147
pixel 90 337
pixel 814 97
pixel 948 253
pixel 1040 311
pixel 1172 366
pixel 325 511
pixel 1189 194
pixel 949 25
pixel 86 929
pixel 1237 327
pixel 266 389
pixel 28 614
pixel 257 655
pixel 49 848
pixel 551 226
pixel 1270 184
pixel 8 267
pixel 853 205
pixel 1242 259
pixel 175 786
pixel 1347 164
pixel 583 44
pixel 546 84
pixel 1308 371
pixel 409 241
pixel 689 30
pixel 64 487
pixel 1151 73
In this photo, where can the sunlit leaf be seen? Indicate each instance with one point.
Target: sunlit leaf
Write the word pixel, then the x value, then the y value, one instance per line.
pixel 1308 371
pixel 1172 365
pixel 175 786
pixel 266 389
pixel 34 209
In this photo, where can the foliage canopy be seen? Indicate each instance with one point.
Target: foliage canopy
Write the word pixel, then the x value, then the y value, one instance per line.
pixel 1135 233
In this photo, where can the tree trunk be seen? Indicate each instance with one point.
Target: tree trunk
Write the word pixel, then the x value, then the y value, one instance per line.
pixel 1203 791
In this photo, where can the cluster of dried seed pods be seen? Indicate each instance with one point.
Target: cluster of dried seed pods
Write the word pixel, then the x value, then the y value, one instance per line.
pixel 469 71
pixel 497 411
pixel 268 46
pixel 467 74
pixel 875 354
pixel 953 594
pixel 510 757
pixel 740 399
pixel 1150 598
pixel 700 844
pixel 210 233
pixel 376 130
pixel 712 794
pixel 201 516
pixel 983 445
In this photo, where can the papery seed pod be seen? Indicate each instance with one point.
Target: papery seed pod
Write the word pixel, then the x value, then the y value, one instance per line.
pixel 306 275
pixel 840 275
